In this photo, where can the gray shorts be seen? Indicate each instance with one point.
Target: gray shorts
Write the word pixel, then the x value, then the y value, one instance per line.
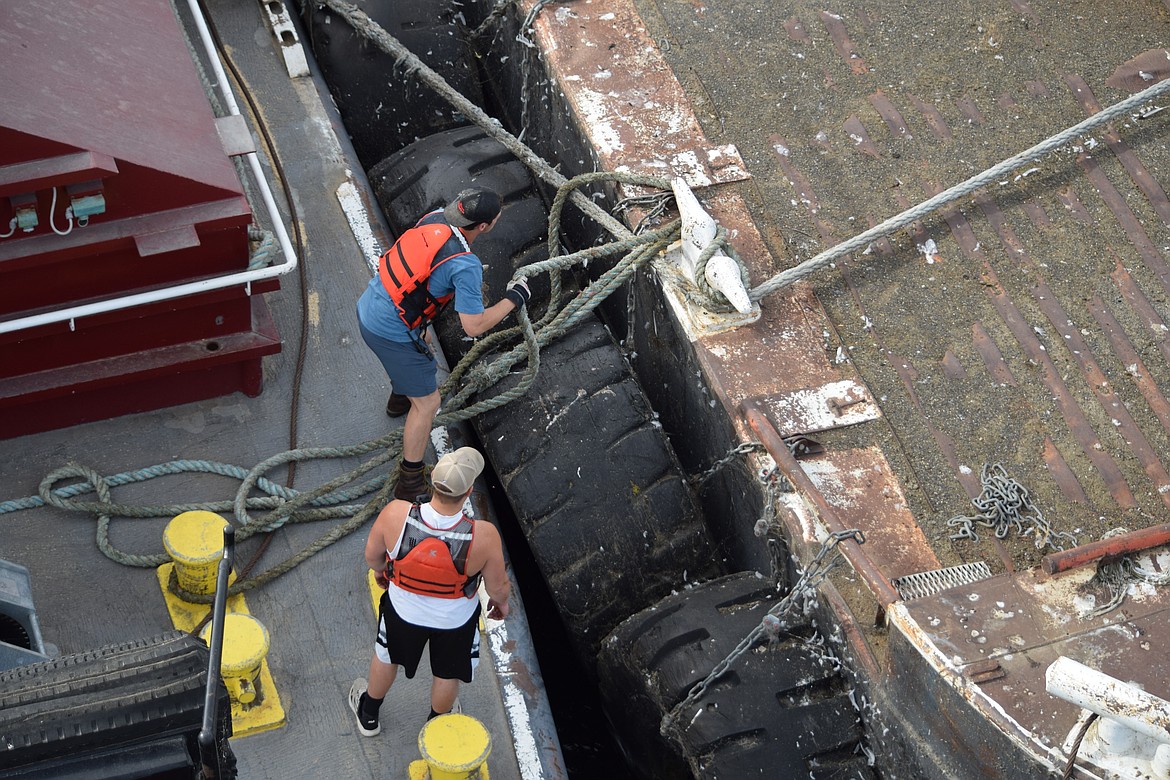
pixel 454 651
pixel 412 373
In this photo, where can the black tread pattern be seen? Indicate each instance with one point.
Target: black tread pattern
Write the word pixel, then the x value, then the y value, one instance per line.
pixel 119 694
pixel 596 488
pixel 783 708
pixel 383 108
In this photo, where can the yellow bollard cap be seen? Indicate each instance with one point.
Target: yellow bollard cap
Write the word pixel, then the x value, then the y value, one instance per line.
pixel 245 643
pixel 194 538
pixel 454 743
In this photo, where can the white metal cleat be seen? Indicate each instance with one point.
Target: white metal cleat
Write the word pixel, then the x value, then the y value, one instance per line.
pixel 698 231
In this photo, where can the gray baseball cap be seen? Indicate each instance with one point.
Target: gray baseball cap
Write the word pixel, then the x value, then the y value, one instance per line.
pixel 456 471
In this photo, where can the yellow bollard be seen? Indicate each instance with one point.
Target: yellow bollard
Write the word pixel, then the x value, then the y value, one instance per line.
pixel 194 540
pixel 453 747
pixel 245 644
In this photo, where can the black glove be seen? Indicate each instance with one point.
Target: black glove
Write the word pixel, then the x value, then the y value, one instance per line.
pixel 518 293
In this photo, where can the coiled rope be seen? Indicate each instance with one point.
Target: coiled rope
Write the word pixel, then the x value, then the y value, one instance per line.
pixel 1115 577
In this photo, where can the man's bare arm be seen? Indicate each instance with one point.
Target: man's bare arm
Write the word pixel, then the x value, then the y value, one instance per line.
pixel 495 573
pixel 479 324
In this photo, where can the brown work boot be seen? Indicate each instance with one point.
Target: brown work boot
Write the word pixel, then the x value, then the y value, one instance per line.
pixel 398 405
pixel 412 485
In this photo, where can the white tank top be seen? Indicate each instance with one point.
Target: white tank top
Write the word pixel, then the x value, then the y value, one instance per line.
pixel 431 611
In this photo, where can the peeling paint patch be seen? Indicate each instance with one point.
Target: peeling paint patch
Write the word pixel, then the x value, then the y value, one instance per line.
pixel 359 222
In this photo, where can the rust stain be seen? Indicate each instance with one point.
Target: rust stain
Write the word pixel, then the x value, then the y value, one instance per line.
pixel 1129 222
pixel 967 108
pixel 803 187
pixel 1140 304
pixel 1078 424
pixel 863 490
pixel 1106 396
pixel 835 25
pixel 1066 480
pixel 934 119
pixel 1142 71
pixel 909 376
pixel 1020 624
pixel 1129 357
pixel 630 106
pixel 1068 197
pixel 889 114
pixel 859 137
pixel 952 367
pixel 1133 166
pixel 1036 88
pixel 992 357
pixel 1037 214
pixel 795 29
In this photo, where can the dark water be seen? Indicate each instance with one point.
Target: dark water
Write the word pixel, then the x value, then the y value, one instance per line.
pixel 586 742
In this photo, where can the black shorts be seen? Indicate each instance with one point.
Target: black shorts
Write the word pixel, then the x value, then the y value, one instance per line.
pixel 454 651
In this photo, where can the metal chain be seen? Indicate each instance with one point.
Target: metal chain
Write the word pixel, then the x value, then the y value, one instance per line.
pixel 1003 505
pixel 698 480
pixel 813 575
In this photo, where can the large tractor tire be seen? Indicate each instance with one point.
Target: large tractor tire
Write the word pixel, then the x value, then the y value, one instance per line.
pixel 382 106
pixel 429 173
pixel 94 714
pixel 589 473
pixel 782 710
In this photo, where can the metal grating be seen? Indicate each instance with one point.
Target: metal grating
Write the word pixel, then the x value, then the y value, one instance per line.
pixel 928 583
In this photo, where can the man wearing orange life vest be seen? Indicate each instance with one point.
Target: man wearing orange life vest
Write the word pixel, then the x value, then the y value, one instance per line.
pixel 430 266
pixel 431 558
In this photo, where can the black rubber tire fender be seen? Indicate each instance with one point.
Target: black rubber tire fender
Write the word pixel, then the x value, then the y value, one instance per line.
pixel 596 488
pixel 382 106
pixel 783 709
pixel 123 693
pixel 429 173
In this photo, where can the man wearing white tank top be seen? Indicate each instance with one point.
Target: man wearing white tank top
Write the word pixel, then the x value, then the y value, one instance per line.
pixel 430 558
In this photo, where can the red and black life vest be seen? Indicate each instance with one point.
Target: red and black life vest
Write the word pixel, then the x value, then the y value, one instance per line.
pixel 432 561
pixel 406 270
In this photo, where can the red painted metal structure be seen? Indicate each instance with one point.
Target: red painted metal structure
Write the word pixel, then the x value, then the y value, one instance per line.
pixel 102 99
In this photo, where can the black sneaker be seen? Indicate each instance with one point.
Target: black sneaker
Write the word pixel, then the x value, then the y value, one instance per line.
pixel 398 405
pixel 368 728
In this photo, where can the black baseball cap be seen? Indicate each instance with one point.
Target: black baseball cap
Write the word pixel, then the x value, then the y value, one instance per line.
pixel 472 206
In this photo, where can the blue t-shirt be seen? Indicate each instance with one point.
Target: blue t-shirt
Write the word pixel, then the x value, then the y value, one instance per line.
pixel 462 275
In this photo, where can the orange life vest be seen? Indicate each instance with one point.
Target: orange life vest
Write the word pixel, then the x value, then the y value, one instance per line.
pixel 406 270
pixel 432 561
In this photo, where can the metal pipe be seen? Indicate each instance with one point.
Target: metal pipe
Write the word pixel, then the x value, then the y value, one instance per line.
pixel 1114 546
pixel 245 278
pixel 1109 697
pixel 208 749
pixel 878 583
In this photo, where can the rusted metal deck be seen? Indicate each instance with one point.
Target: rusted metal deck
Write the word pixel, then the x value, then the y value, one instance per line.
pixel 1025 325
